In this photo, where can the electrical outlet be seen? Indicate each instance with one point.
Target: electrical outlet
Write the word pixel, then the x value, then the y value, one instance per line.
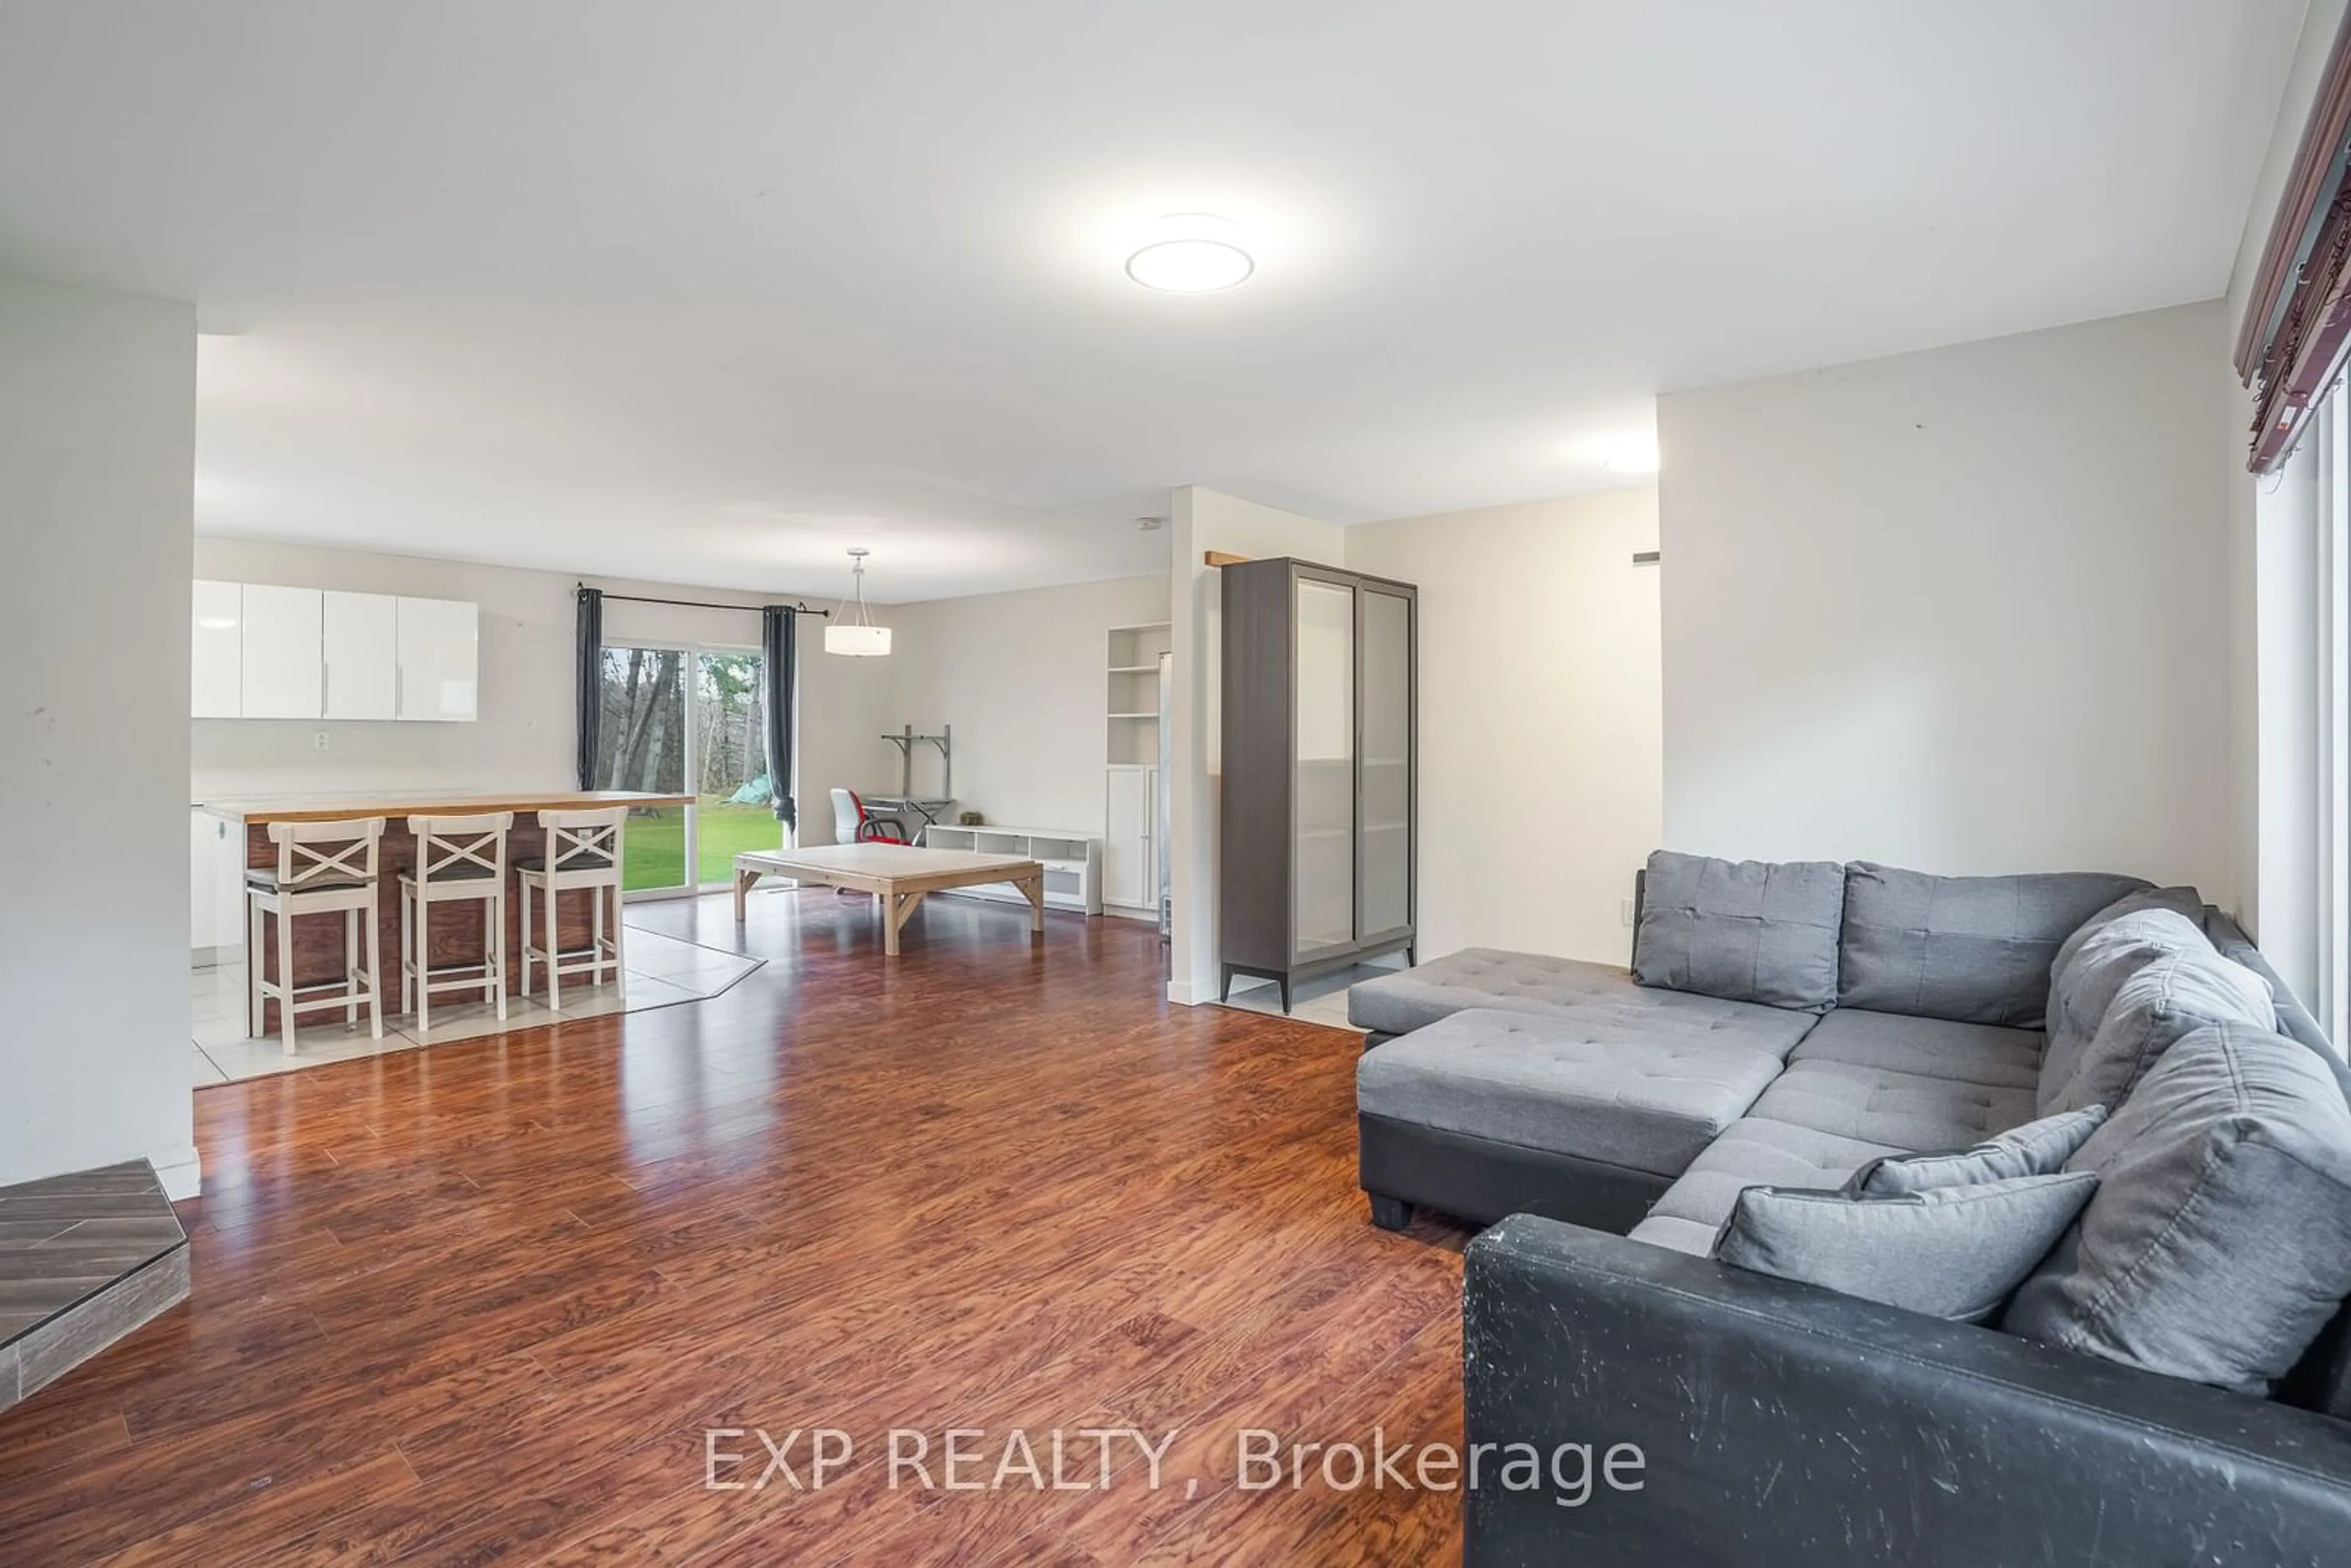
pixel 1624 912
pixel 317 740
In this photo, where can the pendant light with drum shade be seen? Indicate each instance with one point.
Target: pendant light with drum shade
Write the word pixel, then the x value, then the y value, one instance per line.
pixel 851 631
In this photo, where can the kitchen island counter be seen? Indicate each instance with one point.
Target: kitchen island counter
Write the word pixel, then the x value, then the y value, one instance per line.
pixel 456 927
pixel 263 810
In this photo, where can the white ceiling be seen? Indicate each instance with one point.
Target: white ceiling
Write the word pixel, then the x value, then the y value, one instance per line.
pixel 708 291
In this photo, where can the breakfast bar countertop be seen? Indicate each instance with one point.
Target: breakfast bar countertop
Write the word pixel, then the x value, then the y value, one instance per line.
pixel 266 808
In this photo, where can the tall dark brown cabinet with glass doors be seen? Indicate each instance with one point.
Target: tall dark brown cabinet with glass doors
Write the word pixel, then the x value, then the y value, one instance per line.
pixel 1319 797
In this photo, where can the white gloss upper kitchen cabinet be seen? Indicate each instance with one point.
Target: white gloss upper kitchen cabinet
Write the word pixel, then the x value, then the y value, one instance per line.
pixel 440 660
pixel 257 650
pixel 280 652
pixel 360 669
pixel 216 663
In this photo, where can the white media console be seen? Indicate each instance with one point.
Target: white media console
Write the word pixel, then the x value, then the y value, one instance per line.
pixel 1073 861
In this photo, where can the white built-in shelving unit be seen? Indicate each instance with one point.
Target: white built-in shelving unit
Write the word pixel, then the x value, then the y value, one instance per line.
pixel 1131 811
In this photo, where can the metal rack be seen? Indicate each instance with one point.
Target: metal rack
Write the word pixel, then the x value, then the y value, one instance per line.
pixel 905 739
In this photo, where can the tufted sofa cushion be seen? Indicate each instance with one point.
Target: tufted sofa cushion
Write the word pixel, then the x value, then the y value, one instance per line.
pixel 1594 994
pixel 1932 1047
pixel 1747 931
pixel 2161 1002
pixel 1645 1102
pixel 2097 962
pixel 1752 1151
pixel 1880 1105
pixel 1974 948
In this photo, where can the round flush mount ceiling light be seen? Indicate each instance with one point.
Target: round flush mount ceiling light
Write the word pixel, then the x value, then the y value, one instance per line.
pixel 1192 253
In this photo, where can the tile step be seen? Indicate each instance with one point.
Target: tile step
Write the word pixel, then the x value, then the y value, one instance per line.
pixel 85 1257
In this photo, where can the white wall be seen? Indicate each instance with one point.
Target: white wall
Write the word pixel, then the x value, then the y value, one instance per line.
pixel 96 497
pixel 523 739
pixel 1541 792
pixel 1021 677
pixel 1201 520
pixel 1962 610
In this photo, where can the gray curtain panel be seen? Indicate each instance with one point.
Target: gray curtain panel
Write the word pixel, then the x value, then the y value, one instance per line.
pixel 779 687
pixel 590 653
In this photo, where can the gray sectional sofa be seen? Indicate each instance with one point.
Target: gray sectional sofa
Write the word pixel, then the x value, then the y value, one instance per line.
pixel 1785 1027
pixel 1496 1083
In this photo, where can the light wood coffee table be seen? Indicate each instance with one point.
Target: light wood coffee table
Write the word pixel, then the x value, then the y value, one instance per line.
pixel 899 874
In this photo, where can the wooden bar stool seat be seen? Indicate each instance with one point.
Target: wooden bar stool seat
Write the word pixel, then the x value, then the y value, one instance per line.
pixel 323 868
pixel 456 858
pixel 583 850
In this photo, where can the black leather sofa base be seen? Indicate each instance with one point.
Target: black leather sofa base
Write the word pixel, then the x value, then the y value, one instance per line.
pixel 1785 1427
pixel 1402 1165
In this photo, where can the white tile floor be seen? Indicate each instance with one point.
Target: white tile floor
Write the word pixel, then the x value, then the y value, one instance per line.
pixel 662 972
pixel 1322 1000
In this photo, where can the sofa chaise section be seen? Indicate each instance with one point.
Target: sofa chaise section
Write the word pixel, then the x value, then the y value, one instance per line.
pixel 1489 979
pixel 1486 1112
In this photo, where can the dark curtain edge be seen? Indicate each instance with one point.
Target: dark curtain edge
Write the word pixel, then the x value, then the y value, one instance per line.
pixel 588 651
pixel 780 659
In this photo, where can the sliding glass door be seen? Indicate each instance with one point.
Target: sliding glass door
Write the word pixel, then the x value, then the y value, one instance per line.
pixel 675 715
pixel 735 807
pixel 643 738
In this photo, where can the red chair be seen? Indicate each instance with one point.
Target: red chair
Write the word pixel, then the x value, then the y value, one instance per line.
pixel 853 824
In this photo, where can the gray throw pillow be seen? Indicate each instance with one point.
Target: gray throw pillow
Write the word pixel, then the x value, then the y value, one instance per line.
pixel 2185 902
pixel 1954 1252
pixel 2219 1241
pixel 1973 949
pixel 2037 1148
pixel 2163 1002
pixel 1746 931
pixel 2092 967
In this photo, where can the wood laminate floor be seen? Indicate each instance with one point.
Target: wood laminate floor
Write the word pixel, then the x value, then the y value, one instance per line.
pixel 481 1302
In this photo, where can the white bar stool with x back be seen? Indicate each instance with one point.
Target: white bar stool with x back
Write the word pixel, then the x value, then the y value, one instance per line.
pixel 583 850
pixel 323 868
pixel 456 858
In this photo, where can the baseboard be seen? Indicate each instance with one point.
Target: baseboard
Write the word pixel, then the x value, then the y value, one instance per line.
pixel 181 1171
pixel 1183 994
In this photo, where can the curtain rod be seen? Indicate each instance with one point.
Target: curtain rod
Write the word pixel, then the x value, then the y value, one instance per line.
pixel 799 609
